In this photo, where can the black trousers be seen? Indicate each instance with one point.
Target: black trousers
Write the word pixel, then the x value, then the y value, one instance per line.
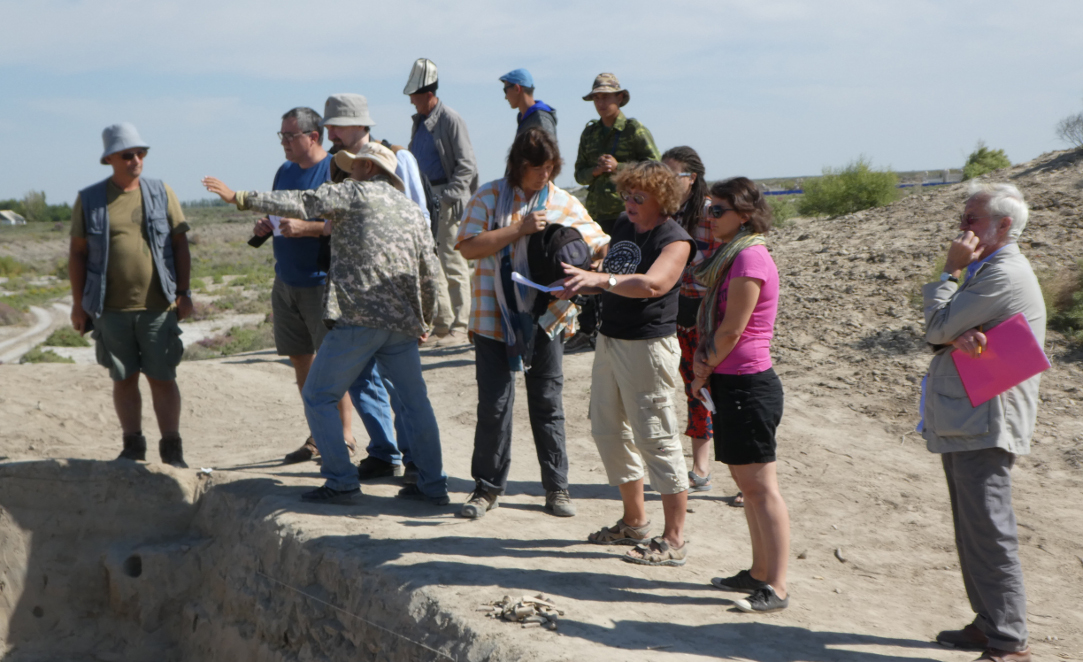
pixel 545 404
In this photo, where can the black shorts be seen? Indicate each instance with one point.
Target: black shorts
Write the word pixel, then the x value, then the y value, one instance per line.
pixel 749 408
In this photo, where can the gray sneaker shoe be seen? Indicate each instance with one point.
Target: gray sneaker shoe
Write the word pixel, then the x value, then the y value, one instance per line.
pixel 559 503
pixel 762 600
pixel 480 502
pixel 743 581
pixel 697 483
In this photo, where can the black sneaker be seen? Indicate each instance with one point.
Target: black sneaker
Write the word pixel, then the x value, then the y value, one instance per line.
pixel 327 495
pixel 580 341
pixel 742 581
pixel 479 503
pixel 413 492
pixel 762 600
pixel 559 503
pixel 135 448
pixel 409 474
pixel 373 467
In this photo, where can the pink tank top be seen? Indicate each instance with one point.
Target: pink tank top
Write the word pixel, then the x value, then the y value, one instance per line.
pixel 752 354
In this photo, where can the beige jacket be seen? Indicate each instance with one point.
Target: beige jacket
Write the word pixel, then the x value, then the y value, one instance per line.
pixel 1002 287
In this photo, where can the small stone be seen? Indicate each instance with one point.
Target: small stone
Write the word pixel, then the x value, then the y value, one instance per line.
pixel 690 509
pixel 803 555
pixel 838 591
pixel 838 555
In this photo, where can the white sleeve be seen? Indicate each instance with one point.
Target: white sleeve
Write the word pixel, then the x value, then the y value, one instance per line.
pixel 409 173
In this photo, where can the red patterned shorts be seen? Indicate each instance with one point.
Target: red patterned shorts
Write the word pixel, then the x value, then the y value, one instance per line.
pixel 699 419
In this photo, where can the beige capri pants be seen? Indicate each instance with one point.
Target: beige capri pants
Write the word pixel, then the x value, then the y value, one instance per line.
pixel 632 415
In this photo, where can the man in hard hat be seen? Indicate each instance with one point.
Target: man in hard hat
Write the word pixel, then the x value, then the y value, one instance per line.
pixel 440 142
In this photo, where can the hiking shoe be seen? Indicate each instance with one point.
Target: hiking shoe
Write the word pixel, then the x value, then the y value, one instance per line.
pixel 413 492
pixel 479 503
pixel 373 467
pixel 306 452
pixel 409 474
pixel 997 655
pixel 559 503
pixel 742 581
pixel 970 638
pixel 327 495
pixel 172 452
pixel 762 600
pixel 580 341
pixel 697 483
pixel 135 448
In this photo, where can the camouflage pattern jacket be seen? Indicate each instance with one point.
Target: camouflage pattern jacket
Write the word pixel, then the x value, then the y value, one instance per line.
pixel 383 261
pixel 628 141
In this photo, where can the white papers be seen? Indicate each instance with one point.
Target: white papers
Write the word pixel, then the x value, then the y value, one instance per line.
pixel 707 400
pixel 523 280
pixel 274 222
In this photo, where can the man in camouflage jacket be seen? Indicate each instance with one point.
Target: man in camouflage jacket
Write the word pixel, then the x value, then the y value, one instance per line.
pixel 380 300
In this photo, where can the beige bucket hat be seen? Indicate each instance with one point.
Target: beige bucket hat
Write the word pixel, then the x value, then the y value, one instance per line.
pixel 608 83
pixel 346 110
pixel 378 154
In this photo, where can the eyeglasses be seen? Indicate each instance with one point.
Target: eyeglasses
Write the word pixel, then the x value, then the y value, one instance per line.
pixel 128 156
pixel 716 211
pixel 637 198
pixel 291 136
pixel 968 220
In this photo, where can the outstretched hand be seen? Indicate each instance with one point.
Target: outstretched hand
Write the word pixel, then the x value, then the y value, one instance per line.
pixel 218 187
pixel 579 280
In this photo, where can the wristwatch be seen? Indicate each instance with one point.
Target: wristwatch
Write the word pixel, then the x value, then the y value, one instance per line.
pixel 184 293
pixel 612 282
pixel 946 276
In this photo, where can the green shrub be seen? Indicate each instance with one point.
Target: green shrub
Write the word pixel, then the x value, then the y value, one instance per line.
pixel 983 160
pixel 236 340
pixel 66 336
pixel 849 189
pixel 36 296
pixel 38 355
pixel 9 267
pixel 783 208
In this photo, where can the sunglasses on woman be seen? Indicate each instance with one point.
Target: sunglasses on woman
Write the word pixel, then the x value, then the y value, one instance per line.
pixel 716 211
pixel 637 198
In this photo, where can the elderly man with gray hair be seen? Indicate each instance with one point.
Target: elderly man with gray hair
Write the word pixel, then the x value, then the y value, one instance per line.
pixel 979 445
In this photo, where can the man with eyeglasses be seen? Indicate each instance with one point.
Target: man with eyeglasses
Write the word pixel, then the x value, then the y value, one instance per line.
pixel 297 294
pixel 129 267
pixel 978 446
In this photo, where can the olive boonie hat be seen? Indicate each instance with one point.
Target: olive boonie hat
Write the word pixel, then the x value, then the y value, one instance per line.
pixel 119 137
pixel 607 83
pixel 346 110
pixel 378 154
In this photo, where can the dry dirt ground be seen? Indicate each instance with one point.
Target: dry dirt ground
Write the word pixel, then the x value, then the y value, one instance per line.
pixel 856 478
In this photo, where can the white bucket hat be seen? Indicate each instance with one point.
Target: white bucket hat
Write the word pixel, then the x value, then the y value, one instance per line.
pixel 378 154
pixel 119 137
pixel 346 110
pixel 422 75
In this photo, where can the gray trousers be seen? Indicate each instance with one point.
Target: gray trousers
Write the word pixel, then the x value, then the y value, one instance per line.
pixel 980 487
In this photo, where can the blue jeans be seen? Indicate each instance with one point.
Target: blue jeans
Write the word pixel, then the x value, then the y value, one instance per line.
pixel 345 354
pixel 370 394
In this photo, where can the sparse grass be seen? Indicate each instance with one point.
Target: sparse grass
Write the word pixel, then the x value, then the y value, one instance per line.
pixel 38 355
pixel 36 296
pixel 236 340
pixel 197 284
pixel 1063 293
pixel 848 190
pixel 917 300
pixel 66 336
pixel 10 315
pixel 11 267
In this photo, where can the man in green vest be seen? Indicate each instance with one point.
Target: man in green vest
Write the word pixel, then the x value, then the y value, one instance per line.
pixel 129 267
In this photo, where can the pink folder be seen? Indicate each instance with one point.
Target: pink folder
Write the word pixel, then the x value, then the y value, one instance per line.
pixel 1011 357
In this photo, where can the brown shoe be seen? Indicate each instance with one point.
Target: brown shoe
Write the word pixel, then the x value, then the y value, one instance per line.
pixel 306 452
pixel 969 638
pixel 997 655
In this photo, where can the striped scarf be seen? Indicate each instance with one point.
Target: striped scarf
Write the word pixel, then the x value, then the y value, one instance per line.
pixel 712 274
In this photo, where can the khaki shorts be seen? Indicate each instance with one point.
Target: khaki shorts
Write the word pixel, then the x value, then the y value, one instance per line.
pixel 633 416
pixel 298 318
pixel 130 342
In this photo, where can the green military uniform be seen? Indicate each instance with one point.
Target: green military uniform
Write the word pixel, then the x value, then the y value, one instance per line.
pixel 383 261
pixel 628 141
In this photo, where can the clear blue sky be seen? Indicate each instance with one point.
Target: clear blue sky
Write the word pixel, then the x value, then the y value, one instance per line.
pixel 759 88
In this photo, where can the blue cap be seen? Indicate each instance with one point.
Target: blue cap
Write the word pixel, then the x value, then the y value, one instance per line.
pixel 518 77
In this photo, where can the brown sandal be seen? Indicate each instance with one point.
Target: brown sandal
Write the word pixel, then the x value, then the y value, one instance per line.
pixel 620 534
pixel 306 452
pixel 658 552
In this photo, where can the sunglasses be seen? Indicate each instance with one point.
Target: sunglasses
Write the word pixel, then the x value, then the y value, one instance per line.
pixel 637 198
pixel 291 136
pixel 716 211
pixel 508 87
pixel 128 156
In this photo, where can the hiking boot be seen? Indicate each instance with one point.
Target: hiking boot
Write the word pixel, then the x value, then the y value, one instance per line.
pixel 409 474
pixel 373 467
pixel 327 495
pixel 479 503
pixel 172 452
pixel 559 503
pixel 762 600
pixel 580 341
pixel 970 638
pixel 135 448
pixel 997 655
pixel 413 492
pixel 743 581
pixel 306 452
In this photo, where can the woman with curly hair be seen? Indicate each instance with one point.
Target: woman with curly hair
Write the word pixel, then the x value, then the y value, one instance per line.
pixel 736 324
pixel 636 362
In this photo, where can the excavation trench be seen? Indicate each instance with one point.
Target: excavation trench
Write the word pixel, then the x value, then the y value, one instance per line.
pixel 119 561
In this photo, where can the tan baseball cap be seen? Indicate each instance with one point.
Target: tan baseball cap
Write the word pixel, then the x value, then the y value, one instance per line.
pixel 378 154
pixel 607 83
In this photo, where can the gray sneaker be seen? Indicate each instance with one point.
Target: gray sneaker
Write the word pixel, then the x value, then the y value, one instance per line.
pixel 762 600
pixel 559 503
pixel 479 503
pixel 743 581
